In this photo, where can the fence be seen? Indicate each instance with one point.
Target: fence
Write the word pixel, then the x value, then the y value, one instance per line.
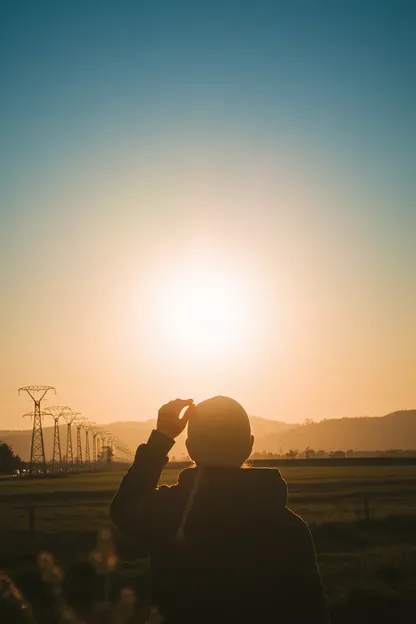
pixel 321 491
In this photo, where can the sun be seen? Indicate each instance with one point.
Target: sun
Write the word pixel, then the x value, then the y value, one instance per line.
pixel 202 309
pixel 209 313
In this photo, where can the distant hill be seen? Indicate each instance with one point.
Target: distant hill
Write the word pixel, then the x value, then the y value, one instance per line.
pixel 393 431
pixel 131 433
pixel 134 433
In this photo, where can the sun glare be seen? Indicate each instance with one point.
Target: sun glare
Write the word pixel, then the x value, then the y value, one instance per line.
pixel 208 315
pixel 203 310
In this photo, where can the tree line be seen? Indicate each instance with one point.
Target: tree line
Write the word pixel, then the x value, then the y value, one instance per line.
pixel 9 461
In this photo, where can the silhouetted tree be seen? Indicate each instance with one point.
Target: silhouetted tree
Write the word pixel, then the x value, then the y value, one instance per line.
pixel 337 454
pixel 8 460
pixel 291 454
pixel 309 453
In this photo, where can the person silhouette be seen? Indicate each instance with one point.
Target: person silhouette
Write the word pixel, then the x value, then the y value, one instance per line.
pixel 224 547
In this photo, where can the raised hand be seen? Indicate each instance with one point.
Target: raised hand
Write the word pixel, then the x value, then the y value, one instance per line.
pixel 168 420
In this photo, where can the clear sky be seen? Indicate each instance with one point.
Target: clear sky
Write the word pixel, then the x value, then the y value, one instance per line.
pixel 205 198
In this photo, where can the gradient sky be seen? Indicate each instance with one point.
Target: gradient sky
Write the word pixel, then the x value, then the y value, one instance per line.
pixel 272 142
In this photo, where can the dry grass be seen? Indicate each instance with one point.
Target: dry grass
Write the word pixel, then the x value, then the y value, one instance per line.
pixel 368 567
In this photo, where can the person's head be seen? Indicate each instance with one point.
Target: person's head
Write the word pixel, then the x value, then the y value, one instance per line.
pixel 219 433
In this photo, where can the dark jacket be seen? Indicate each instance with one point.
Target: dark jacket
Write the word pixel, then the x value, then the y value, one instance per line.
pixel 245 557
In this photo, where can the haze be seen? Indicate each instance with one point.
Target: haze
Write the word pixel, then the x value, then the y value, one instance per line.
pixel 259 156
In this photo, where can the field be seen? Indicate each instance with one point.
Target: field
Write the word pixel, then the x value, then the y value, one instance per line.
pixel 362 518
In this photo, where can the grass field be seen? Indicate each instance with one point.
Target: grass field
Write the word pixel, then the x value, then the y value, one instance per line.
pixel 362 518
pixel 319 494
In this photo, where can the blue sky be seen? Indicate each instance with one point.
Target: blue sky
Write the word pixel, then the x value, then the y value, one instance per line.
pixel 339 68
pixel 109 100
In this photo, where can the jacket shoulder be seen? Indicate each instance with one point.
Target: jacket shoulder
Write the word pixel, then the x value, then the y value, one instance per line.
pixel 296 523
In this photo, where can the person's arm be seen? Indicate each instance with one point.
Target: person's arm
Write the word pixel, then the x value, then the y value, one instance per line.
pixel 131 505
pixel 138 499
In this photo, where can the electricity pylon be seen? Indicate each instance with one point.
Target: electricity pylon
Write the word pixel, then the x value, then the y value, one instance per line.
pixel 125 452
pixel 87 427
pixel 37 449
pixel 105 439
pixel 102 438
pixel 69 418
pixel 42 414
pixel 56 411
pixel 79 424
pixel 97 435
pixel 109 449
pixel 100 445
pixel 94 431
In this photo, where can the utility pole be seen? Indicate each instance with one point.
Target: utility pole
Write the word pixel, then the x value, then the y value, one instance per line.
pixel 42 414
pixel 95 433
pixel 37 449
pixel 93 427
pixel 105 438
pixel 109 449
pixel 69 418
pixel 100 446
pixel 56 411
pixel 87 427
pixel 79 424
